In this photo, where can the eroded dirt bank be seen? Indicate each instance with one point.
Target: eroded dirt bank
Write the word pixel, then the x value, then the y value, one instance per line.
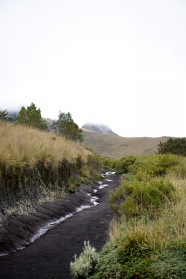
pixel 49 256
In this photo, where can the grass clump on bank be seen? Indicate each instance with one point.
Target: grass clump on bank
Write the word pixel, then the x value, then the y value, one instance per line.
pixel 148 236
pixel 84 265
pixel 36 166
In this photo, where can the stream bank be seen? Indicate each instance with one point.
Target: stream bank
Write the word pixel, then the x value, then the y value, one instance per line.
pixel 50 255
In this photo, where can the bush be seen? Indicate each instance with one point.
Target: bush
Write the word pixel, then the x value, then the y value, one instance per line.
pixel 179 171
pixel 148 240
pixel 129 261
pixel 175 146
pixel 108 162
pixel 134 260
pixel 139 197
pixel 122 165
pixel 85 264
pixel 170 264
pixel 153 165
pixel 108 266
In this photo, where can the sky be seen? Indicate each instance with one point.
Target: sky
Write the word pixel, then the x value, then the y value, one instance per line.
pixel 116 62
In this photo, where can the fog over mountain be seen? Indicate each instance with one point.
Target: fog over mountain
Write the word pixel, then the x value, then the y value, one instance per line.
pixel 98 128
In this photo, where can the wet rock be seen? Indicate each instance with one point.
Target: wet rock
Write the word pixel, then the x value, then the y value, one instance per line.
pixel 17 228
pixel 19 231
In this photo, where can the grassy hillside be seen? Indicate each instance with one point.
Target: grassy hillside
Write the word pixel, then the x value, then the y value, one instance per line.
pixel 116 147
pixel 22 145
pixel 36 166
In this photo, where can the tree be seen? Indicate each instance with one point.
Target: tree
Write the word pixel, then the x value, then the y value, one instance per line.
pixel 65 126
pixel 175 146
pixel 3 115
pixel 31 116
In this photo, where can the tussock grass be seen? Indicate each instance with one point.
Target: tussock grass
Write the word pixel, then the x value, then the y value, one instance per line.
pixel 22 145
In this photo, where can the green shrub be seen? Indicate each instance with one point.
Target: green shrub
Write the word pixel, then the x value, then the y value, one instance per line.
pixel 175 146
pixel 109 162
pixel 128 177
pixel 85 264
pixel 148 240
pixel 122 165
pixel 170 263
pixel 134 260
pixel 179 171
pixel 141 197
pixel 153 165
pixel 130 261
pixel 108 266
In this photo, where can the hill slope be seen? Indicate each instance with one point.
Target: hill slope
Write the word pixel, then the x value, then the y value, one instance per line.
pixel 98 128
pixel 116 147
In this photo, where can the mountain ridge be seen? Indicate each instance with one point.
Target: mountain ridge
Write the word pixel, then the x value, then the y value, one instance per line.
pixel 98 128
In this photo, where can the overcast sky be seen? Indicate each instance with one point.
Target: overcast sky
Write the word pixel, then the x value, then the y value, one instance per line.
pixel 117 62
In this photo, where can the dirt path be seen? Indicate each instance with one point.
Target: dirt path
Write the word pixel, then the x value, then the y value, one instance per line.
pixel 50 255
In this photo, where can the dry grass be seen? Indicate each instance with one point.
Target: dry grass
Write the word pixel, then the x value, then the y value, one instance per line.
pixel 114 146
pixel 22 145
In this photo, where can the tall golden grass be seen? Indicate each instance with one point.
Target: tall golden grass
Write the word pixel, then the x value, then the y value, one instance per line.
pixel 22 145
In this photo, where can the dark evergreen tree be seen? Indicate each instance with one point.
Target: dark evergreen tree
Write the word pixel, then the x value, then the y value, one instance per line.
pixel 173 145
pixel 65 126
pixel 31 116
pixel 3 115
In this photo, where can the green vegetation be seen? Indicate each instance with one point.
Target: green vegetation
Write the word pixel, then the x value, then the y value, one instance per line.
pixel 85 263
pixel 148 234
pixel 121 166
pixel 136 198
pixel 3 115
pixel 31 117
pixel 175 146
pixel 36 166
pixel 66 127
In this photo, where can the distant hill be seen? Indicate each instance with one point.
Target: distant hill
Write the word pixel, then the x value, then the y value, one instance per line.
pixel 98 128
pixel 114 146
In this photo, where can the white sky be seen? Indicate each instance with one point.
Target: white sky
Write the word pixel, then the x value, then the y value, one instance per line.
pixel 117 62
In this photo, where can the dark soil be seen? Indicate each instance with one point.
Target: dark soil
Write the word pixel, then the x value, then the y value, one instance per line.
pixel 51 254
